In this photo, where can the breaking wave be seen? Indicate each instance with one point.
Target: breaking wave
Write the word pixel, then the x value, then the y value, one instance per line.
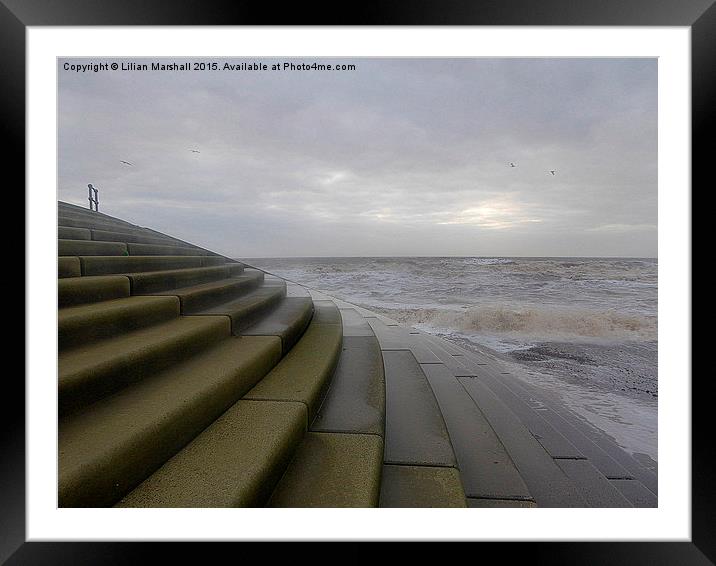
pixel 534 322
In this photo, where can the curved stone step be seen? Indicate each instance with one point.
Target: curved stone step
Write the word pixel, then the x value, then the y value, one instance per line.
pixel 91 289
pixel 339 463
pixel 71 221
pixel 486 469
pixel 106 265
pixel 114 444
pixel 68 267
pixel 332 470
pixel 235 462
pixel 89 247
pixel 89 215
pixel 88 373
pixel 287 320
pixel 613 463
pixel 421 486
pixel 204 295
pixel 304 373
pixel 594 486
pixel 139 237
pixel 547 482
pixel 173 279
pixel 66 233
pixel 245 309
pixel 162 249
pixel 73 211
pixel 84 324
pixel 103 223
pixel 355 401
pixel 611 460
pixel 415 431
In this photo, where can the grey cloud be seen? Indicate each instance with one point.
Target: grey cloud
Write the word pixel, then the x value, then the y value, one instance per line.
pixel 400 157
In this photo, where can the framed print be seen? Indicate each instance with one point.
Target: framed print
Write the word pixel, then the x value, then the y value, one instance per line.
pixel 437 256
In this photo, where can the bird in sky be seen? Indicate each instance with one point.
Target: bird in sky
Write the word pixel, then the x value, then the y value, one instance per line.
pixel 195 151
pixel 552 171
pixel 512 164
pixel 126 163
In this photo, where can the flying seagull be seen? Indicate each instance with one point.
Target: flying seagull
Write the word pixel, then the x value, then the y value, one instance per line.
pixel 512 164
pixel 195 151
pixel 552 171
pixel 126 163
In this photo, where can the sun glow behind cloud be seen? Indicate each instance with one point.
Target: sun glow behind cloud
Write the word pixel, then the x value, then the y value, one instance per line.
pixel 494 215
pixel 382 161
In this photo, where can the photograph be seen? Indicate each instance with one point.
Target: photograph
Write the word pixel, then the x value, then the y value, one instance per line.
pixel 419 274
pixel 357 282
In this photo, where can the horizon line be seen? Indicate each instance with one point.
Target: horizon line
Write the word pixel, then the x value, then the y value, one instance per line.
pixel 444 256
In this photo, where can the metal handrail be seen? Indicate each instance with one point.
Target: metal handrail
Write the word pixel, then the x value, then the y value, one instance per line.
pixel 93 198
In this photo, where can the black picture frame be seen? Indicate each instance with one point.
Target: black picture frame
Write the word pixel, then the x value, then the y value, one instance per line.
pixel 16 15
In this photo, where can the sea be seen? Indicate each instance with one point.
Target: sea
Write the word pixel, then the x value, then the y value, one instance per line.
pixel 584 329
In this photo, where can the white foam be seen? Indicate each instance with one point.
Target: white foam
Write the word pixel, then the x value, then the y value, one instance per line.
pixel 533 323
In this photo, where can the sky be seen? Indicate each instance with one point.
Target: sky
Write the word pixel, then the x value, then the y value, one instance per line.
pixel 398 157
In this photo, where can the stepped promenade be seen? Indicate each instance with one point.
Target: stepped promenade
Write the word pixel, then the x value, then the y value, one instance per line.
pixel 188 379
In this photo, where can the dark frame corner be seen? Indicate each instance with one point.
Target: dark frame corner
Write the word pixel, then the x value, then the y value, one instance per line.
pixel 16 15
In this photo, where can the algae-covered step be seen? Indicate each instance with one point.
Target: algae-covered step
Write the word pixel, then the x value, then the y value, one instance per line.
pixel 194 298
pixel 305 372
pixel 116 443
pixel 89 372
pixel 167 277
pixel 106 265
pixel 235 462
pixel 83 324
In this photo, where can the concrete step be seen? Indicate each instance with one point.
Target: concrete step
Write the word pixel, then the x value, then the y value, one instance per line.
pixel 609 459
pixel 339 463
pixel 597 490
pixel 421 486
pixel 84 324
pixel 65 233
pixel 91 289
pixel 89 215
pixel 247 308
pixel 235 462
pixel 166 250
pixel 415 432
pixel 354 324
pixel 204 295
pixel 74 221
pixel 486 469
pixel 332 470
pixel 355 401
pixel 551 439
pixel 587 436
pixel 137 237
pixel 89 247
pixel 559 439
pixel 106 265
pixel 73 211
pixel 498 503
pixel 172 279
pixel 88 373
pixel 393 337
pixel 287 320
pixel 304 373
pixel 151 232
pixel 115 444
pixel 545 480
pixel 68 267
